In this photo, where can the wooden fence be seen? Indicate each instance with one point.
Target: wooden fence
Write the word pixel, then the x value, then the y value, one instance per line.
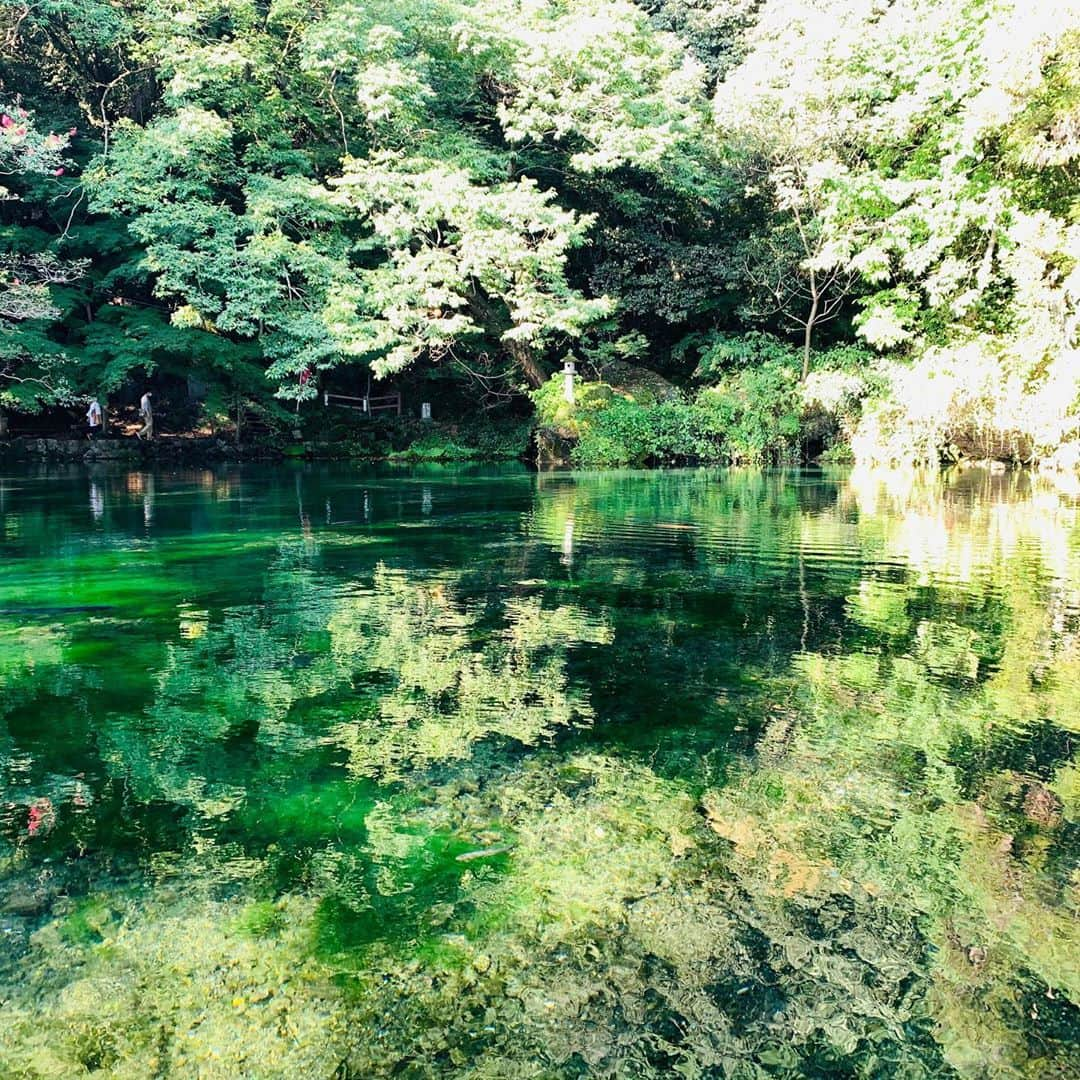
pixel 367 404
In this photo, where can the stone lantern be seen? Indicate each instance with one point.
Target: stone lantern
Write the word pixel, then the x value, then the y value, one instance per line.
pixel 568 379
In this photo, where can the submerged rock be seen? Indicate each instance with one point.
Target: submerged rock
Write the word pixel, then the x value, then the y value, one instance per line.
pixel 484 853
pixel 24 899
pixel 14 937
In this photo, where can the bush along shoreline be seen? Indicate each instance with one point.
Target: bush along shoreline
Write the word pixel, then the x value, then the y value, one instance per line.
pixel 759 413
pixel 844 412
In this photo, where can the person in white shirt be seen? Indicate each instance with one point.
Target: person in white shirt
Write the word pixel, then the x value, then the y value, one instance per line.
pixel 93 419
pixel 146 412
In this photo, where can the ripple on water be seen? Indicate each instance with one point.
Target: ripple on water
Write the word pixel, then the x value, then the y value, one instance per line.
pixel 591 774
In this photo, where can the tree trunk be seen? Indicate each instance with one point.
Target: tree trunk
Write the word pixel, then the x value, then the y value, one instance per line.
pixel 535 375
pixel 494 321
pixel 808 330
pixel 3 424
pixel 806 350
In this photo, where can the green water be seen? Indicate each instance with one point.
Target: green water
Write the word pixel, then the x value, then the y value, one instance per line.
pixel 334 773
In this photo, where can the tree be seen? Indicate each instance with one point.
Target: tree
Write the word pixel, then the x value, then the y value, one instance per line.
pixel 272 194
pixel 27 278
pixel 794 269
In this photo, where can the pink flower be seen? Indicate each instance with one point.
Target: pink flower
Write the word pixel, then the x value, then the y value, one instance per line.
pixel 58 172
pixel 73 131
pixel 6 121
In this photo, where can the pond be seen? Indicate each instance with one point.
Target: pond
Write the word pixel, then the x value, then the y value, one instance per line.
pixel 475 772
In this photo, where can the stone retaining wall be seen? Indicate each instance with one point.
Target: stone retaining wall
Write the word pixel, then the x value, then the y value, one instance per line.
pixel 135 452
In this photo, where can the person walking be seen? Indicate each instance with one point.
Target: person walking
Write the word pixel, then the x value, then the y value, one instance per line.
pixel 93 419
pixel 146 413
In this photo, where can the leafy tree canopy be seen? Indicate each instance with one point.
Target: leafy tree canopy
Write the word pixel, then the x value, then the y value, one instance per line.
pixel 292 195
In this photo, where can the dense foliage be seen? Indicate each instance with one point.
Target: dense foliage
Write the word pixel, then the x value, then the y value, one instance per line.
pixel 247 202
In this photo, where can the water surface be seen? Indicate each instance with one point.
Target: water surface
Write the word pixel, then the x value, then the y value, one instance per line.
pixel 474 772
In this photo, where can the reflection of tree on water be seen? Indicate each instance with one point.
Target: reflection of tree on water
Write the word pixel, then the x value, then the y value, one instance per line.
pixel 884 807
pixel 411 676
pixel 876 874
pixel 864 801
pixel 240 722
pixel 437 693
pixel 904 779
pixel 711 582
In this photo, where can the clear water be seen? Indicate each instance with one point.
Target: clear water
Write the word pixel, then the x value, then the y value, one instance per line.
pixel 474 772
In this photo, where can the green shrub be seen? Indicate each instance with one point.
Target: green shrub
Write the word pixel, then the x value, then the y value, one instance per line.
pixel 839 453
pixel 753 415
pixel 756 412
pixel 720 352
pixel 434 447
pixel 553 410
pixel 617 435
pixel 626 433
pixel 503 439
pixel 415 440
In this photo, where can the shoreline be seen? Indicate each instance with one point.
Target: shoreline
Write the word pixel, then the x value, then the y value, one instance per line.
pixel 193 451
pixel 196 450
